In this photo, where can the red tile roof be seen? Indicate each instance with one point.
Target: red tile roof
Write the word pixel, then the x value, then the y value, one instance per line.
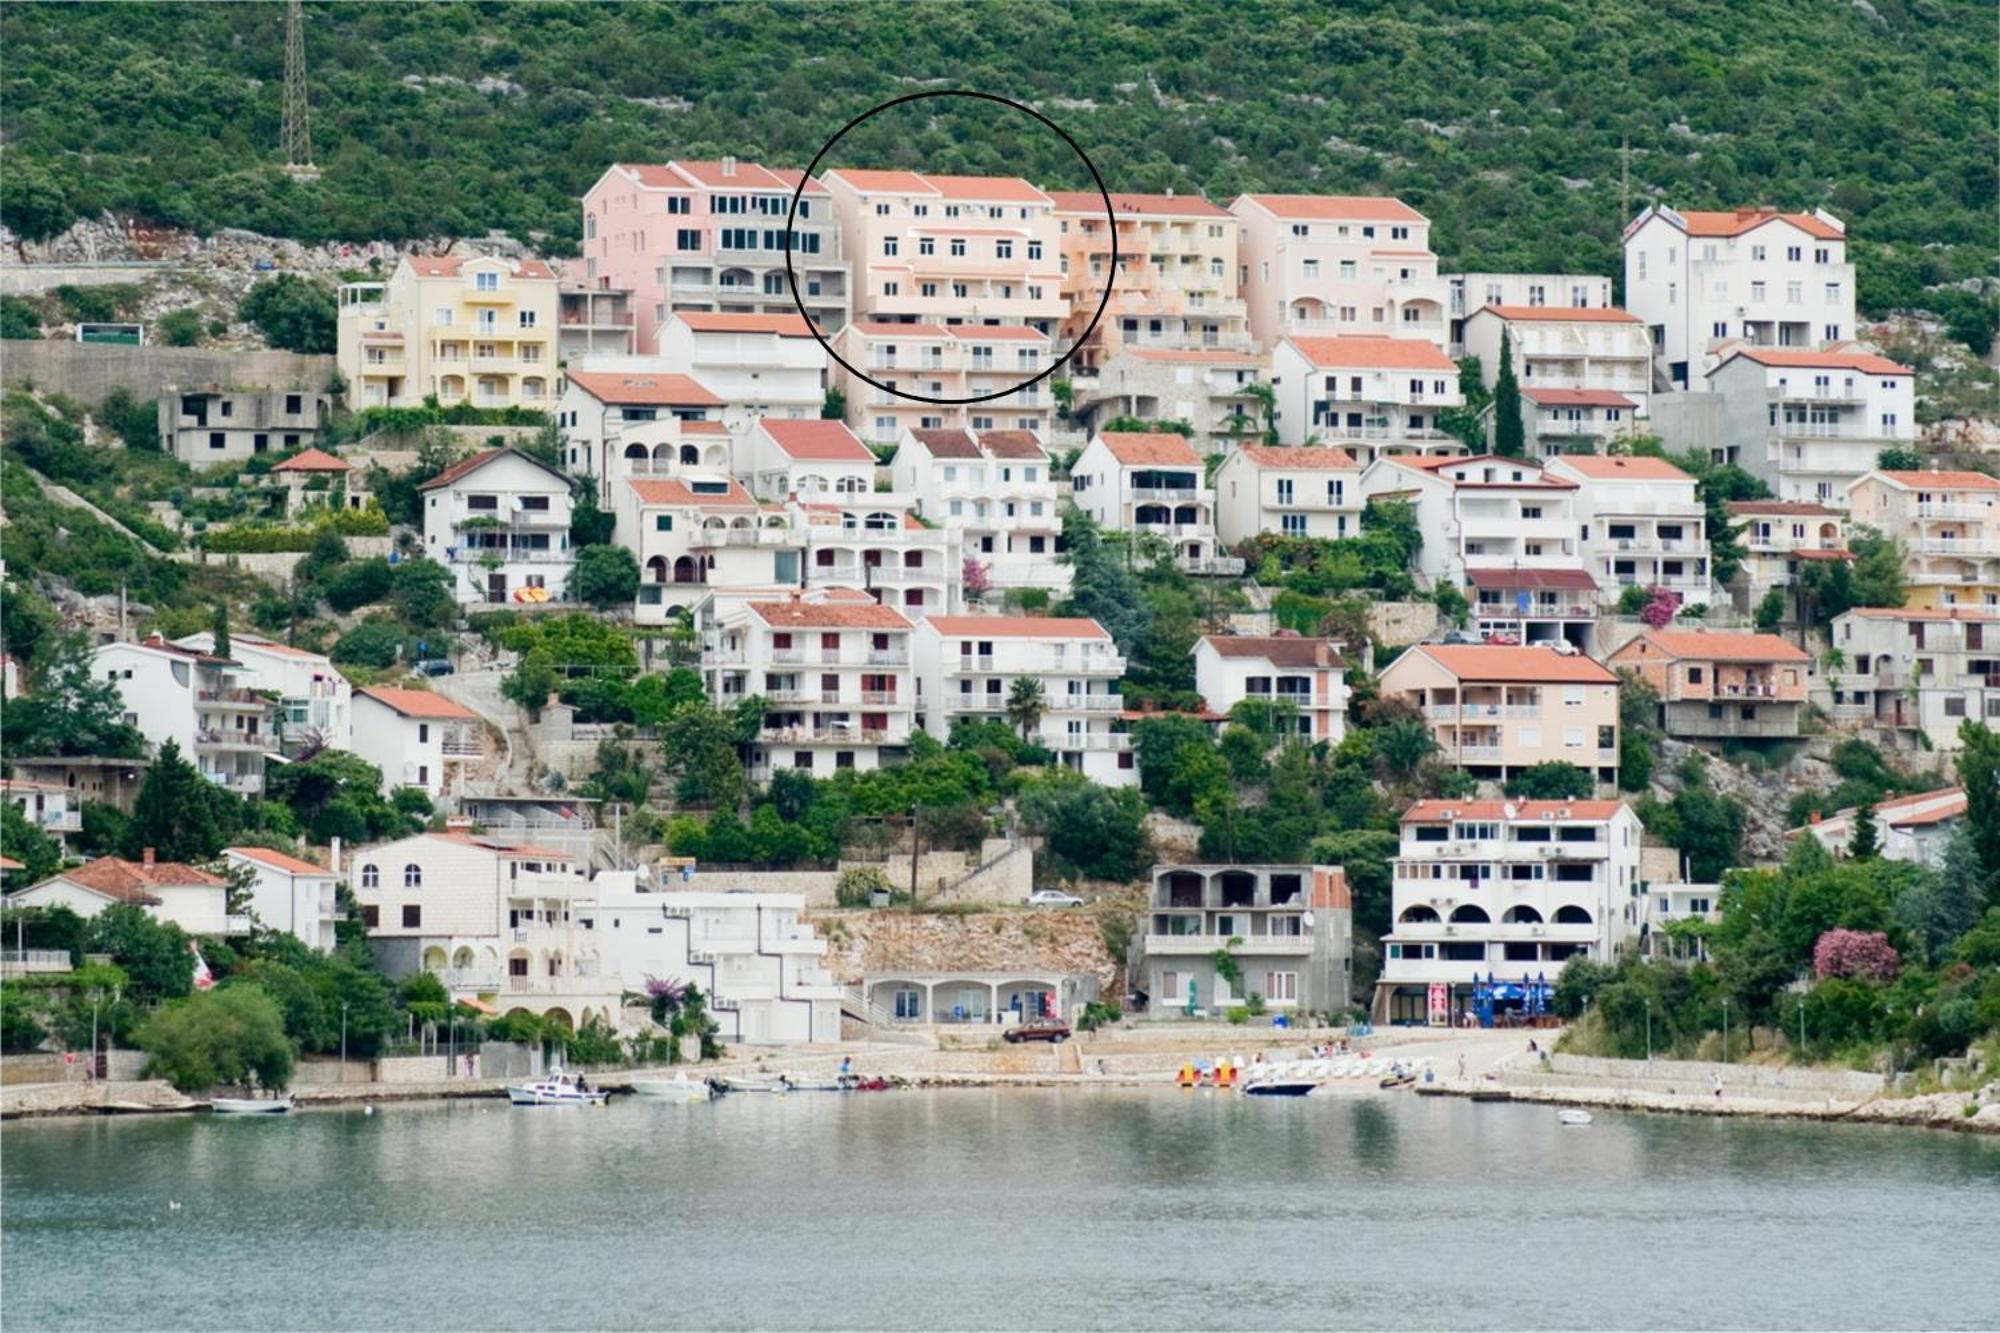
pixel 948 443
pixel 449 266
pixel 1283 650
pixel 745 176
pixel 129 881
pixel 875 328
pixel 1137 205
pixel 1013 446
pixel 676 492
pixel 822 615
pixel 1800 508
pixel 312 460
pixel 1577 398
pixel 465 467
pixel 1336 208
pixel 1798 358
pixel 278 860
pixel 714 321
pixel 416 703
pixel 618 389
pixel 987 189
pixel 1567 314
pixel 1018 627
pixel 1369 352
pixel 1150 448
pixel 1718 646
pixel 1432 811
pixel 518 851
pixel 1619 467
pixel 1737 221
pixel 1942 481
pixel 1535 666
pixel 1578 580
pixel 1008 332
pixel 1310 458
pixel 816 441
pixel 882 182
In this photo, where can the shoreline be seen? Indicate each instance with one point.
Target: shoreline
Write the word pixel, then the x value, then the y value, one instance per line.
pixel 1938 1110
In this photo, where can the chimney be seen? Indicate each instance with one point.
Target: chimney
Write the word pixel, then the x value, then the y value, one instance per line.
pixel 146 857
pixel 729 166
pixel 1170 192
pixel 1814 817
pixel 333 855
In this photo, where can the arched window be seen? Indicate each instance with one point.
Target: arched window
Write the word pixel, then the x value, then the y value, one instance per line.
pixel 1572 916
pixel 690 455
pixel 413 877
pixel 1417 915
pixel 590 226
pixel 371 877
pixel 1521 915
pixel 635 451
pixel 1468 913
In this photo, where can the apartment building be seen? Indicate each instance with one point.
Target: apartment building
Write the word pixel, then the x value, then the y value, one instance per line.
pixel 291 895
pixel 758 365
pixel 592 318
pixel 416 737
pixel 1779 537
pixel 1211 389
pixel 499 521
pixel 477 329
pixel 1641 525
pixel 1302 492
pixel 201 702
pixel 1564 347
pixel 1373 396
pixel 1704 282
pixel 1491 898
pixel 758 963
pixel 1507 529
pixel 49 806
pixel 641 416
pixel 1908 669
pixel 810 460
pixel 967 667
pixel 1669 904
pixel 1916 828
pixel 710 236
pixel 1949 527
pixel 940 361
pixel 315 702
pixel 1288 928
pixel 1304 679
pixel 168 891
pixel 997 489
pixel 702 530
pixel 834 674
pixel 208 424
pixel 1807 424
pixel 95 778
pixel 1497 711
pixel 1467 293
pixel 495 924
pixel 1176 285
pixel 1152 483
pixel 1316 265
pixel 931 249
pixel 1721 686
pixel 877 544
pixel 1565 421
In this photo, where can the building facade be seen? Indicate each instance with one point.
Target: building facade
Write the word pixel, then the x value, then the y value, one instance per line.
pixel 203 703
pixel 1301 492
pixel 1288 931
pixel 315 702
pixel 998 490
pixel 291 895
pixel 1373 396
pixel 1721 686
pixel 1211 389
pixel 1152 483
pixel 1779 538
pixel 1497 711
pixel 1564 347
pixel 1807 424
pixel 417 738
pixel 477 330
pixel 1641 523
pixel 499 521
pixel 1469 292
pixel 1317 265
pixel 758 365
pixel 1949 526
pixel 955 361
pixel 206 425
pixel 1304 679
pixel 1903 669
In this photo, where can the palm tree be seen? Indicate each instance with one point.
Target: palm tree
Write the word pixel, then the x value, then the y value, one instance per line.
pixel 1024 704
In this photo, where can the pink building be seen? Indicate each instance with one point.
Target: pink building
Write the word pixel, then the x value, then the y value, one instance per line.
pixel 943 361
pixel 710 236
pixel 1339 264
pixel 950 249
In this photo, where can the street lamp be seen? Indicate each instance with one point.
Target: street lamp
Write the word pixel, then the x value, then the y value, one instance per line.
pixel 1725 1029
pixel 343 1041
pixel 96 995
pixel 1802 1027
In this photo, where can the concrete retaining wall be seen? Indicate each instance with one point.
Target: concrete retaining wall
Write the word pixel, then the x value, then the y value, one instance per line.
pixel 89 371
pixel 275 567
pixel 1776 1082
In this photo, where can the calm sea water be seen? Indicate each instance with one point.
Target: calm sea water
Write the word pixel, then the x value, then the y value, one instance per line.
pixel 1005 1208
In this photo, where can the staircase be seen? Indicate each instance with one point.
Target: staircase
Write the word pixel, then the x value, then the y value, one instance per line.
pixel 1015 847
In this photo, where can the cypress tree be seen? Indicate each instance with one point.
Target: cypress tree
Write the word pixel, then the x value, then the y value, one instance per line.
pixel 1509 436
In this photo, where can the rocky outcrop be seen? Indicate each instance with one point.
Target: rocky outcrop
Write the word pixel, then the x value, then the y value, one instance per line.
pixel 1059 940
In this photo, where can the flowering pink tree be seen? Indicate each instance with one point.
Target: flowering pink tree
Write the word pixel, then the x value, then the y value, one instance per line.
pixel 978 578
pixel 1661 606
pixel 1856 953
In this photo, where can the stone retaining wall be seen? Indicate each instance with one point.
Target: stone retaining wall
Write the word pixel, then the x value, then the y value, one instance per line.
pixel 1701 1074
pixel 88 372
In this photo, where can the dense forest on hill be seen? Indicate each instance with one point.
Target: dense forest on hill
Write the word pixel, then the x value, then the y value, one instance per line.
pixel 1501 119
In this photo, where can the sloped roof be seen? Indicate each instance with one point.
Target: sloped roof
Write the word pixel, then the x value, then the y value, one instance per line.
pixel 1148 448
pixel 416 703
pixel 1599 467
pixel 1941 480
pixel 132 881
pixel 822 615
pixel 1137 205
pixel 1424 812
pixel 1735 222
pixel 1018 627
pixel 619 389
pixel 1576 580
pixel 1783 508
pixel 722 321
pixel 312 460
pixel 449 266
pixel 1577 398
pixel 947 443
pixel 1532 666
pixel 1563 314
pixel 291 865
pixel 676 491
pixel 1284 650
pixel 1799 358
pixel 816 441
pixel 1369 352
pixel 1013 445
pixel 1718 646
pixel 1336 207
pixel 1308 458
pixel 465 467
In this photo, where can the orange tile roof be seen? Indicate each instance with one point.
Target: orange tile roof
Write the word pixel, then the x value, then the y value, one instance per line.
pixel 278 860
pixel 1534 477
pixel 822 615
pixel 1370 352
pixel 465 467
pixel 1942 481
pixel 1336 208
pixel 1798 358
pixel 1013 445
pixel 517 850
pixel 1718 646
pixel 1535 666
pixel 619 389
pixel 1568 314
pixel 987 189
pixel 128 881
pixel 816 441
pixel 1282 650
pixel 1737 221
pixel 1018 627
pixel 747 176
pixel 882 182
pixel 1577 398
pixel 1802 508
pixel 876 328
pixel 1619 467
pixel 449 266
pixel 1311 458
pixel 714 321
pixel 703 428
pixel 947 443
pixel 416 703
pixel 9 863
pixel 1590 811
pixel 1137 205
pixel 673 491
pixel 312 460
pixel 1135 448
pixel 1009 332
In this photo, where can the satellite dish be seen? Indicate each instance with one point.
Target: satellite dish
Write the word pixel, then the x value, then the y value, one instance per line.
pixel 1308 919
pixel 735 420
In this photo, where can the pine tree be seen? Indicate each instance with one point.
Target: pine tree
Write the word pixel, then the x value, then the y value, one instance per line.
pixel 1509 435
pixel 175 812
pixel 1865 843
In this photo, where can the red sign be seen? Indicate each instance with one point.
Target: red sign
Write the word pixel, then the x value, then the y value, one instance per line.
pixel 1440 1003
pixel 69 1057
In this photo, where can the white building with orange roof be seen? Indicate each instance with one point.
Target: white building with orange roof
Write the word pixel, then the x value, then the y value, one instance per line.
pixel 416 737
pixel 1806 423
pixel 710 236
pixel 1507 529
pixel 49 806
pixel 290 894
pixel 1470 292
pixel 1949 526
pixel 642 416
pixel 1907 828
pixel 1909 669
pixel 1339 265
pixel 1209 388
pixel 944 361
pixel 1561 421
pixel 758 365
pixel 834 673
pixel 499 521
pixel 1704 281
pixel 168 891
pixel 1176 286
pixel 1641 523
pixel 203 703
pixel 1497 711
pixel 1306 677
pixel 1599 348
pixel 1371 395
pixel 1491 898
pixel 315 702
pixel 876 543
pixel 997 489
pixel 1721 685
pixel 807 460
pixel 966 667
pixel 953 250
pixel 1779 538
pixel 477 330
pixel 1152 483
pixel 1304 492
pixel 205 425
pixel 700 530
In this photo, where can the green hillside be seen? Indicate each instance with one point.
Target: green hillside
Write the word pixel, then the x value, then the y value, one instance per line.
pixel 1502 119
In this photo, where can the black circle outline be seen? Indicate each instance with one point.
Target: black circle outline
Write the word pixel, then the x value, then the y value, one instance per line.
pixel 791 219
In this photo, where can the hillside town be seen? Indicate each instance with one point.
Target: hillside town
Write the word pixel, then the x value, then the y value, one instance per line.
pixel 798 622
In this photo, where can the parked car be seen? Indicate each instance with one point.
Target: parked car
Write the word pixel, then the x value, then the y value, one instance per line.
pixel 1053 898
pixel 1459 636
pixel 434 666
pixel 1504 639
pixel 1051 1030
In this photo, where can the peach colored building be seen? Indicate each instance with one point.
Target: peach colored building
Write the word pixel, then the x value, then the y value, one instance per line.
pixel 1372 396
pixel 1339 264
pixel 1177 275
pixel 475 329
pixel 943 361
pixel 949 249
pixel 1779 537
pixel 710 236
pixel 1721 685
pixel 1949 525
pixel 1496 711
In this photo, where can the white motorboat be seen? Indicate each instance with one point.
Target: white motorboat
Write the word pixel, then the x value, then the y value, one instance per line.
pixel 558 1089
pixel 679 1088
pixel 779 1084
pixel 1572 1116
pixel 1287 1079
pixel 251 1105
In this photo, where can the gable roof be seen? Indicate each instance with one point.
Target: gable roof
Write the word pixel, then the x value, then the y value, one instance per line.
pixel 1621 467
pixel 1148 448
pixel 1574 580
pixel 1938 481
pixel 1735 222
pixel 1590 811
pixel 1003 332
pixel 1013 445
pixel 1283 650
pixel 465 467
pixel 1717 646
pixel 947 443
pixel 617 389
pixel 823 615
pixel 1137 205
pixel 722 321
pixel 983 189
pixel 1335 207
pixel 1303 457
pixel 680 174
pixel 1370 352
pixel 816 441
pixel 1577 398
pixel 449 266
pixel 264 856
pixel 1019 627
pixel 1800 508
pixel 676 491
pixel 416 703
pixel 1799 358
pixel 312 460
pixel 1566 314
pixel 1536 476
pixel 1532 666
pixel 132 881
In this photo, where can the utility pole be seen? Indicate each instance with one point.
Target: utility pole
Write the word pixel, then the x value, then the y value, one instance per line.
pixel 298 123
pixel 916 846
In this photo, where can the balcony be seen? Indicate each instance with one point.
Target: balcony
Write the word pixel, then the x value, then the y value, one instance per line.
pixel 233 698
pixel 1158 946
pixel 241 741
pixel 827 736
pixel 1085 703
pixel 1972 546
pixel 712 537
pixel 461 748
pixel 1222 566
pixel 1171 495
pixel 60 821
pixel 1944 509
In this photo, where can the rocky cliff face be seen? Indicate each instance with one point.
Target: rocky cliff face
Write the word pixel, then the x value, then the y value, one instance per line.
pixel 1064 940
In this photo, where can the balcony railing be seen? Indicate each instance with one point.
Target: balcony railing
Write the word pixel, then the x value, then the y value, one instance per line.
pixel 461 749
pixel 62 821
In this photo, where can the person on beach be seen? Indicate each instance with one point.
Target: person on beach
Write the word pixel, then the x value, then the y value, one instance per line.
pixel 1461 1064
pixel 1718 1087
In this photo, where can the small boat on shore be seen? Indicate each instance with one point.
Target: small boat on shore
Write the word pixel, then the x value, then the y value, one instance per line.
pixel 1280 1087
pixel 278 1105
pixel 558 1089
pixel 679 1088
pixel 778 1084
pixel 1570 1115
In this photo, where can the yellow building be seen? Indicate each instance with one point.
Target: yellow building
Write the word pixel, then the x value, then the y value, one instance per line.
pixel 1949 525
pixel 476 329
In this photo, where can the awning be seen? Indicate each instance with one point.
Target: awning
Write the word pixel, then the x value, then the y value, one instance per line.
pixel 1577 579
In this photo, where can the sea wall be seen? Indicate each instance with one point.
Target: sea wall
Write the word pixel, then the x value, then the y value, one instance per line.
pixel 1773 1081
